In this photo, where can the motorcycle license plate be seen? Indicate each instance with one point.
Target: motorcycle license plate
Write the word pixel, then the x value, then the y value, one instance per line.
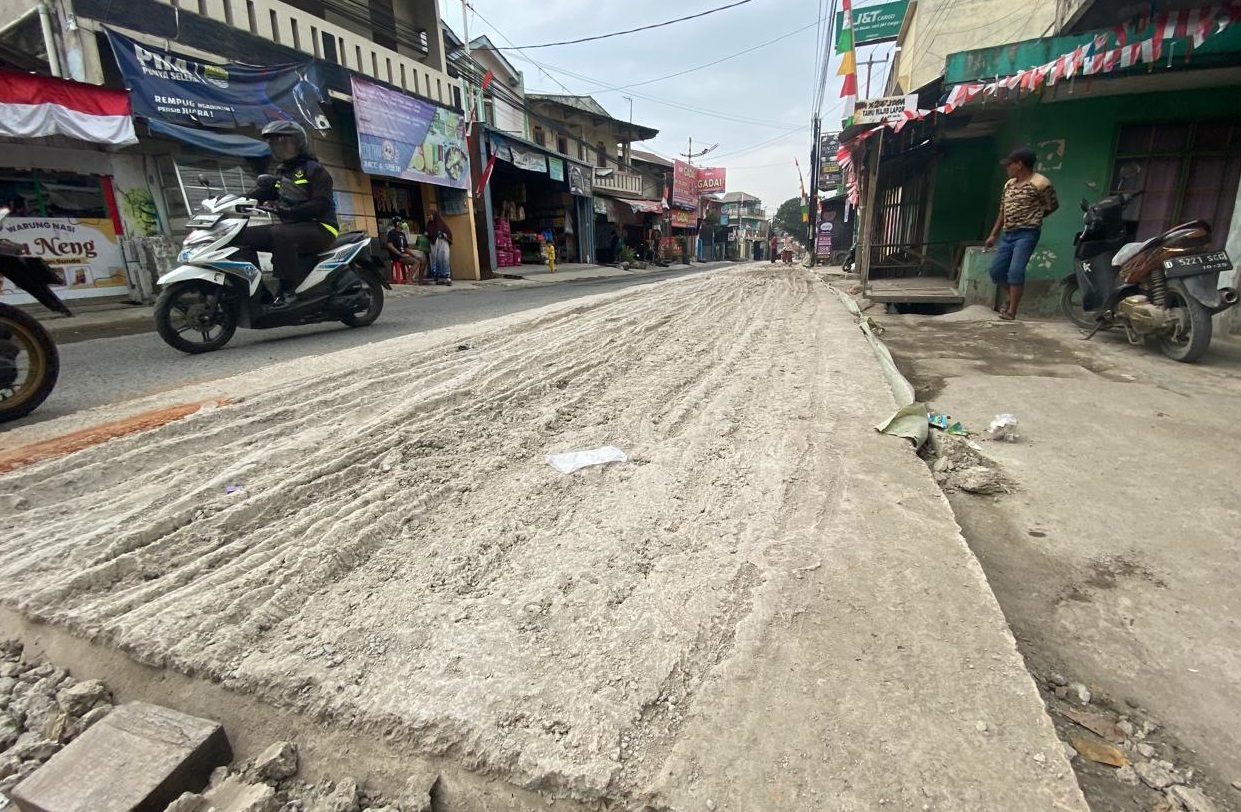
pixel 1194 264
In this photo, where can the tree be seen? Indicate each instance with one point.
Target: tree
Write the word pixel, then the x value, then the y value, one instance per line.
pixel 788 218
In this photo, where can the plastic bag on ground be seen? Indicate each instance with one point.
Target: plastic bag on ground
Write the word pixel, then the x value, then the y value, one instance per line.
pixel 571 461
pixel 1004 427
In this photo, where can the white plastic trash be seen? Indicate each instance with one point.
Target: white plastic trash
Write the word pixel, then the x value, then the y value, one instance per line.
pixel 1004 427
pixel 571 461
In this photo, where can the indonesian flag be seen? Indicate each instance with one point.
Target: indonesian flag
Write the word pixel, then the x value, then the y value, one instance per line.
pixel 485 177
pixel 848 65
pixel 39 106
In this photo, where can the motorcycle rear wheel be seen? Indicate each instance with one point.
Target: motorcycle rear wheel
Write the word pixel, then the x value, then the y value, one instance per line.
pixel 202 309
pixel 32 341
pixel 1196 338
pixel 365 318
pixel 1071 305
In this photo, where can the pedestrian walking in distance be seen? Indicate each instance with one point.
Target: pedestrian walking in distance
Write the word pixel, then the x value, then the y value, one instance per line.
pixel 1027 199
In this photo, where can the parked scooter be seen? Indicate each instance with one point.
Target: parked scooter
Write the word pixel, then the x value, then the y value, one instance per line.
pixel 219 286
pixel 29 361
pixel 1166 288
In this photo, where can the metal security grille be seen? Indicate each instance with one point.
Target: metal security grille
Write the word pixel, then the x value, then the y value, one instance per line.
pixel 1188 170
pixel 184 190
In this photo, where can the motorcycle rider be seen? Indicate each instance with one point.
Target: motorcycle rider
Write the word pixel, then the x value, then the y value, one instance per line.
pixel 302 197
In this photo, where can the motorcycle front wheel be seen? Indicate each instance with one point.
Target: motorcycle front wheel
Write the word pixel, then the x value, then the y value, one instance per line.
pixel 29 364
pixel 195 316
pixel 1189 344
pixel 1071 305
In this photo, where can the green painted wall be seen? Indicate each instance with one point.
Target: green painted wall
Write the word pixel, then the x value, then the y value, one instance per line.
pixel 1076 143
pixel 960 212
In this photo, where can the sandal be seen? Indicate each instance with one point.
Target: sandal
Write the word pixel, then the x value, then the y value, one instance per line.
pixel 1007 316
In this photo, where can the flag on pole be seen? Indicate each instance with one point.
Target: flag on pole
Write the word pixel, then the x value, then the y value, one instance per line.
pixel 487 78
pixel 801 180
pixel 486 176
pixel 848 64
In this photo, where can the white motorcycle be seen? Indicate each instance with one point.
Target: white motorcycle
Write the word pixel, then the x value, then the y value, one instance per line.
pixel 220 285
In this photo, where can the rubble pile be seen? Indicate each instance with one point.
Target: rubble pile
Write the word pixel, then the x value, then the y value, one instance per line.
pixel 43 708
pixel 1099 737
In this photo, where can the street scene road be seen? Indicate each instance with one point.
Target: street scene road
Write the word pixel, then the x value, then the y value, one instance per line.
pixel 774 406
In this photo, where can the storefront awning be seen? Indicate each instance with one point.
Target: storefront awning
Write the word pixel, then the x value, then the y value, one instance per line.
pixel 239 146
pixel 638 206
pixel 34 106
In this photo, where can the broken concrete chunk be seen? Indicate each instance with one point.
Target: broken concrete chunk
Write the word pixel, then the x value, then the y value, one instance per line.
pixel 10 729
pixel 1158 774
pixel 1127 775
pixel 235 794
pixel 416 797
pixel 84 724
pixel 139 757
pixel 33 747
pixel 1193 799
pixel 79 699
pixel 277 762
pixel 346 797
pixel 188 802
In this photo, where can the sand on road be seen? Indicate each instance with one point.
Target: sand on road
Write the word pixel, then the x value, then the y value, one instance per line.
pixel 768 607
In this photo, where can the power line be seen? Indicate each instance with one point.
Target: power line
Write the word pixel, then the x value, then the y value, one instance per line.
pixel 703 67
pixel 632 30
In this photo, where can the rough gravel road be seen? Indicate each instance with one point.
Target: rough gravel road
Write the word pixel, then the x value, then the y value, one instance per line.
pixel 108 370
pixel 768 607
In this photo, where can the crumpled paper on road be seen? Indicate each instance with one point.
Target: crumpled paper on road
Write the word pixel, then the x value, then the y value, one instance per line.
pixel 571 461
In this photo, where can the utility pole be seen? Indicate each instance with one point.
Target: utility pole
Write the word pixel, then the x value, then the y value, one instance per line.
pixel 812 205
pixel 870 61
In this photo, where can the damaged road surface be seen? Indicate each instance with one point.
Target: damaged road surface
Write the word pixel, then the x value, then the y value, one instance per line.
pixel 768 606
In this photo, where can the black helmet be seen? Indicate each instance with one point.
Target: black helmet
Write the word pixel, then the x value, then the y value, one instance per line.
pixel 292 129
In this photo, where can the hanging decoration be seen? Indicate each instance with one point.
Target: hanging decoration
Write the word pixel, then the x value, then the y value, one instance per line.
pixel 848 62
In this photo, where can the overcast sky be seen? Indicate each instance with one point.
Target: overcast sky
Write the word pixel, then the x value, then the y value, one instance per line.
pixel 756 106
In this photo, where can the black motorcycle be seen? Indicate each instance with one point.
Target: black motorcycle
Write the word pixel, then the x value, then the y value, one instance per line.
pixel 1166 288
pixel 29 362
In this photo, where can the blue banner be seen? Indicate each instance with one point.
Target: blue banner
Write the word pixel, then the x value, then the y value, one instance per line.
pixel 171 87
pixel 404 137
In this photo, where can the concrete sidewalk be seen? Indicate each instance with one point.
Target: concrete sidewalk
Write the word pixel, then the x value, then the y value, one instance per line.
pixel 114 317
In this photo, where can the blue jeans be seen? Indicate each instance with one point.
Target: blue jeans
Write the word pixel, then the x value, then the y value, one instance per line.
pixel 1013 254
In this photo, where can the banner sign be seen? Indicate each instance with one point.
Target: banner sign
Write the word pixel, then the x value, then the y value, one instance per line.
pixel 528 159
pixel 555 168
pixel 581 180
pixel 684 185
pixel 84 253
pixel 684 219
pixel 168 86
pixel 823 242
pixel 872 24
pixel 403 137
pixel 879 111
pixel 831 175
pixel 711 180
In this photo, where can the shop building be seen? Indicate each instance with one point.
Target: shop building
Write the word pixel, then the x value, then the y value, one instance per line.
pixel 747 225
pixel 1154 91
pixel 396 46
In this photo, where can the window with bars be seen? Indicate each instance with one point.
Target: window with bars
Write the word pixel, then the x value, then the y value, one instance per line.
pixel 1187 171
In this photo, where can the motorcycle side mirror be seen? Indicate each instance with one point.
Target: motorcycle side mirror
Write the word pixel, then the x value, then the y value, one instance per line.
pixel 1085 204
pixel 1130 171
pixel 266 181
pixel 203 180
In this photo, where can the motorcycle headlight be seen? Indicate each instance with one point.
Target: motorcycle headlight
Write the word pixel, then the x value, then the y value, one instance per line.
pixel 200 238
